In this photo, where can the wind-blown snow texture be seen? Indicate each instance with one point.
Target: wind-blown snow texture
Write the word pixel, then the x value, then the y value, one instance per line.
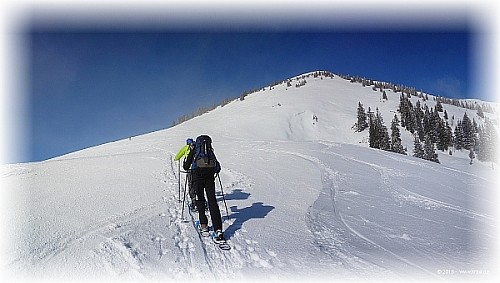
pixel 307 201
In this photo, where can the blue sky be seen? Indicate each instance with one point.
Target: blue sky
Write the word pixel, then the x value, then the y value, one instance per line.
pixel 91 86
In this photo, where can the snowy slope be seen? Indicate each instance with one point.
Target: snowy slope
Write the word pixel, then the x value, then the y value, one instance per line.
pixel 307 201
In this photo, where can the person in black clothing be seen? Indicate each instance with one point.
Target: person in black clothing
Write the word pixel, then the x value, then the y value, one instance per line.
pixel 203 180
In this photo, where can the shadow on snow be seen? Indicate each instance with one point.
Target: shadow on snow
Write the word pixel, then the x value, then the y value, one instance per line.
pixel 257 210
pixel 237 194
pixel 240 216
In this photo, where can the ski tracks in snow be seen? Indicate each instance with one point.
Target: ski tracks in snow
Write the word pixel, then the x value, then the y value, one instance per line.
pixel 245 257
pixel 375 240
pixel 351 251
pixel 162 242
pixel 332 236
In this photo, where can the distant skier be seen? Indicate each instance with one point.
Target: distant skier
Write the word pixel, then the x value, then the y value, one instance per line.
pixel 204 166
pixel 183 152
pixel 315 119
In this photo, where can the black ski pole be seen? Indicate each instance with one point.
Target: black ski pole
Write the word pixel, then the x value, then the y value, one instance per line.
pixel 184 199
pixel 223 198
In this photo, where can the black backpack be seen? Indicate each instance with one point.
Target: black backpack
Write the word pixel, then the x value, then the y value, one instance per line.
pixel 204 160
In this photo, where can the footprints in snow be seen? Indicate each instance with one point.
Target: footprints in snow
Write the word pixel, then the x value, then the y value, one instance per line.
pixel 246 253
pixel 159 244
pixel 256 257
pixel 122 255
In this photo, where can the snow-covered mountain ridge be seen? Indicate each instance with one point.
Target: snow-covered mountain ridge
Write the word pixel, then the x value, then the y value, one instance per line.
pixel 308 200
pixel 289 110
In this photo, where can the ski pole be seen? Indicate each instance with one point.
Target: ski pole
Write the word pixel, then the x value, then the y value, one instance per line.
pixel 223 198
pixel 184 199
pixel 179 180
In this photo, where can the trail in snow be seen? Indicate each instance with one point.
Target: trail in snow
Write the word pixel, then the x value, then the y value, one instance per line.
pixel 340 224
pixel 149 241
pixel 193 257
pixel 363 220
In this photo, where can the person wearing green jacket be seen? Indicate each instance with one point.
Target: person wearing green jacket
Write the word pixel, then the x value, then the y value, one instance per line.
pixel 183 153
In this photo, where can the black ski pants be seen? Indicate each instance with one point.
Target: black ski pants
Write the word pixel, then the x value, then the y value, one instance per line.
pixel 205 183
pixel 192 191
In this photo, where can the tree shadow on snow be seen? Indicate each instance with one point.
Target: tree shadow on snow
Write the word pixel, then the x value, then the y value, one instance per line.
pixel 257 210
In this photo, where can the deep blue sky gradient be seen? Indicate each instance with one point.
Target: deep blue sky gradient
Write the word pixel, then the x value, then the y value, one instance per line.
pixel 89 87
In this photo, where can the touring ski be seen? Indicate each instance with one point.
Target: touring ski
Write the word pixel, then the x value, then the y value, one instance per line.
pixel 222 244
pixel 203 232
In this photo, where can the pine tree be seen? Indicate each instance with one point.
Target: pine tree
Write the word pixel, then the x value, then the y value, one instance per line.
pixel 418 151
pixel 430 151
pixel 372 132
pixel 435 122
pixel 370 114
pixel 402 110
pixel 426 124
pixel 383 135
pixel 361 124
pixel 467 132
pixel 480 112
pixel 396 145
pixel 442 141
pixel 385 142
pixel 378 135
pixel 411 119
pixel 439 106
pixel 395 120
pixel 419 116
pixel 458 136
pixel 475 135
pixel 488 142
pixel 407 113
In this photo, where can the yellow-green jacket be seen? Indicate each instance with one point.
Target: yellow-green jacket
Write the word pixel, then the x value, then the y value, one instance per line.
pixel 183 152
